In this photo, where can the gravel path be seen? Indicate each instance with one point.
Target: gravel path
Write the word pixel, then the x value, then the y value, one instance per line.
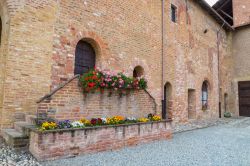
pixel 9 157
pixel 223 145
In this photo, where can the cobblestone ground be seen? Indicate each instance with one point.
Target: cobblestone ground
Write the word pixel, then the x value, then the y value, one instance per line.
pixel 225 143
pixel 9 157
pixel 199 124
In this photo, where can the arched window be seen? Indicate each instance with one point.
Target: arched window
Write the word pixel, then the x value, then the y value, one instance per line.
pixel 84 57
pixel 138 71
pixel 204 95
pixel 167 111
pixel 225 102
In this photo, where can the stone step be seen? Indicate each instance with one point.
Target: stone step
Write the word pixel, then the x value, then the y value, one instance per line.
pixel 23 127
pixel 15 138
pixel 30 119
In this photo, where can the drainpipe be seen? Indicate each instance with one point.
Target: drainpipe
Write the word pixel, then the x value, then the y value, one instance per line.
pixel 218 56
pixel 164 112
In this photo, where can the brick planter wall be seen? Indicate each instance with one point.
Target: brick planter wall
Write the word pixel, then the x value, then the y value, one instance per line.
pixel 57 144
pixel 70 103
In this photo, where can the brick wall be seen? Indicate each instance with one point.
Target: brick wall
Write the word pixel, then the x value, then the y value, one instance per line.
pixel 28 61
pixel 192 57
pixel 241 59
pixel 48 145
pixel 43 36
pixel 70 103
pixel 241 12
pixel 3 51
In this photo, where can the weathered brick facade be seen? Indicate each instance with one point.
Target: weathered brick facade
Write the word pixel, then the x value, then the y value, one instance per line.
pixel 241 12
pixel 39 38
pixel 70 103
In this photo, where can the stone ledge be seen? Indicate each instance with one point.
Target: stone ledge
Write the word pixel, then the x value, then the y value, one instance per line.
pixel 36 130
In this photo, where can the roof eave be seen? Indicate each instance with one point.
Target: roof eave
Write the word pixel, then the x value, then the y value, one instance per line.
pixel 214 14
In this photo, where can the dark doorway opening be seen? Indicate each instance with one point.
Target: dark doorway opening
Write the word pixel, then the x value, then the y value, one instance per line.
pixel 167 102
pixel 244 98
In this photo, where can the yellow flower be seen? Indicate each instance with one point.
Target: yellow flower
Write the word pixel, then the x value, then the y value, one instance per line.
pixel 85 122
pixel 156 118
pixel 48 126
pixel 115 120
pixel 143 119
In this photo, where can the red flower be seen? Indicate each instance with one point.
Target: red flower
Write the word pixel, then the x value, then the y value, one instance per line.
pixel 93 121
pixel 99 121
pixel 94 77
pixel 91 84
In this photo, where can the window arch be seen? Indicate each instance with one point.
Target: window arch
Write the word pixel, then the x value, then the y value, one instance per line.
pixel 84 57
pixel 167 113
pixel 204 95
pixel 138 71
pixel 225 102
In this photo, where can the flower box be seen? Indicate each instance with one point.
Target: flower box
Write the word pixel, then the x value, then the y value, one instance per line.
pixel 64 143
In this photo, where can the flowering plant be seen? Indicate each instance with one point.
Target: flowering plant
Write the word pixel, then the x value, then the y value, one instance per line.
pixel 96 80
pixel 131 120
pixel 91 81
pixel 143 120
pixel 96 122
pixel 48 126
pixel 64 124
pixel 77 124
pixel 115 120
pixel 85 122
pixel 155 118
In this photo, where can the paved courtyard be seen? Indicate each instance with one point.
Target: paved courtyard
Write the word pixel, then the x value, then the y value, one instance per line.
pixel 222 145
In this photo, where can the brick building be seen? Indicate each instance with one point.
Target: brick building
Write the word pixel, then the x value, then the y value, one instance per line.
pixel 192 55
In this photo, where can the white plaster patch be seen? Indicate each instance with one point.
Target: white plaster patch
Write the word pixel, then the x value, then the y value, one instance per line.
pixel 122 55
pixel 91 24
pixel 98 14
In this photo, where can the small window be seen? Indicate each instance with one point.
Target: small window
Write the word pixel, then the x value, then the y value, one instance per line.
pixel 173 13
pixel 138 71
pixel 204 95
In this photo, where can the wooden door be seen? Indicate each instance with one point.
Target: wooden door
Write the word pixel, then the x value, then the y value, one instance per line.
pixel 84 58
pixel 244 98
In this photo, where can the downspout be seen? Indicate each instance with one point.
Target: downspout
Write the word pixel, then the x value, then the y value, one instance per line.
pixel 218 56
pixel 164 112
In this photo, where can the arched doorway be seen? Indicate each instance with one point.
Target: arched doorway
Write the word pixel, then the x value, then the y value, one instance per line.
pixel 167 103
pixel 84 57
